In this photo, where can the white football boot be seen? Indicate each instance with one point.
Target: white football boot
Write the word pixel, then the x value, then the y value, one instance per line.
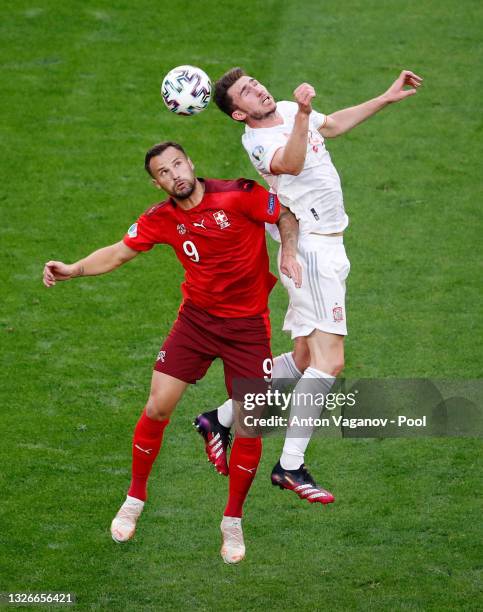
pixel 123 525
pixel 233 548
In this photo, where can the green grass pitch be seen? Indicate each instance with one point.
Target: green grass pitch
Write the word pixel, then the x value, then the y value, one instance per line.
pixel 80 101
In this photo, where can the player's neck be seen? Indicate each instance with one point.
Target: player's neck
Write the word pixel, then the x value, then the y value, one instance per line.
pixel 268 121
pixel 194 199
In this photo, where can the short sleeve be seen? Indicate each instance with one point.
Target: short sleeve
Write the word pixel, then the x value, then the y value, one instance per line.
pixel 258 203
pixel 318 120
pixel 262 149
pixel 141 236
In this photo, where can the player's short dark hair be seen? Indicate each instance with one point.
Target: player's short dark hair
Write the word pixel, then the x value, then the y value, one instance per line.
pixel 159 148
pixel 222 98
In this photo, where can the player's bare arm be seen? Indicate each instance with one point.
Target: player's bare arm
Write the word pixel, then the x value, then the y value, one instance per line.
pixel 99 262
pixel 290 159
pixel 289 232
pixel 342 121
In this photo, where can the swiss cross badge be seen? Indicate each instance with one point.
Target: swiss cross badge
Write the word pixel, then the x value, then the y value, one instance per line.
pixel 181 228
pixel 221 219
pixel 338 314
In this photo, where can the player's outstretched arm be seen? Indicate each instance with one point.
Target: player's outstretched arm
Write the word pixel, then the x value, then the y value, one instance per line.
pixel 344 120
pixel 99 262
pixel 289 233
pixel 290 159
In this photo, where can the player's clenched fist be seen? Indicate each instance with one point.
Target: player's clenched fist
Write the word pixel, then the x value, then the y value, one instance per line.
pixel 303 96
pixel 57 271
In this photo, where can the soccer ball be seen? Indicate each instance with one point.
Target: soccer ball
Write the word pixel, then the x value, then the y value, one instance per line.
pixel 186 90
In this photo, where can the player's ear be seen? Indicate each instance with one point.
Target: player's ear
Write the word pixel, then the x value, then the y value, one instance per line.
pixel 155 183
pixel 238 115
pixel 192 166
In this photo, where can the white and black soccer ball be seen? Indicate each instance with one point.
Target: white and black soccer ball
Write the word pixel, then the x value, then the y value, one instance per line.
pixel 186 90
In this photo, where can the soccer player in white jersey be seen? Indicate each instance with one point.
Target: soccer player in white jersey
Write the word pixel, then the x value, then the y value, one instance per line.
pixel 285 143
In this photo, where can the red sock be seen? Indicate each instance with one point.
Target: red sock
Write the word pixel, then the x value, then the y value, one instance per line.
pixel 244 459
pixel 148 436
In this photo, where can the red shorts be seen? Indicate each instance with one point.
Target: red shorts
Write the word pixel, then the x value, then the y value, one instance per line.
pixel 197 338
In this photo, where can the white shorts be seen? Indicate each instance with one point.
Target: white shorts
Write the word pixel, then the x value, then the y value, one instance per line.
pixel 320 301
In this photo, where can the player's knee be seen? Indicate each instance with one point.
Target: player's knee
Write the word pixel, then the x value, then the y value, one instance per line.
pixel 332 367
pixel 336 367
pixel 156 408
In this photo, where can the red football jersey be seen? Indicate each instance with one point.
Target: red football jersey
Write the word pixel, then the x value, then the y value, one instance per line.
pixel 220 244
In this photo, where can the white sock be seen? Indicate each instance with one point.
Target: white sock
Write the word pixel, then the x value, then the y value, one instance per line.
pixel 225 413
pixel 284 372
pixel 298 437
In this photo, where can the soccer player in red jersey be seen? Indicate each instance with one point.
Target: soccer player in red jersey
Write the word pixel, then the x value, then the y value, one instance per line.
pixel 216 228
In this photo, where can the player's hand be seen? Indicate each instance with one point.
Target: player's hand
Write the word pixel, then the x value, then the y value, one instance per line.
pixel 303 96
pixel 292 269
pixel 397 90
pixel 57 271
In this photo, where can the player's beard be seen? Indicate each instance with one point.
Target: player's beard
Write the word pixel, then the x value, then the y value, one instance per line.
pixel 260 116
pixel 184 194
pixel 263 114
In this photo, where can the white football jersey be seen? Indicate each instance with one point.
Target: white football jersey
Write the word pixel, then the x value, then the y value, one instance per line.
pixel 315 195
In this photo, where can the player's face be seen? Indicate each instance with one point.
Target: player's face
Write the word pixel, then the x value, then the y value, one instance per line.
pixel 174 173
pixel 251 99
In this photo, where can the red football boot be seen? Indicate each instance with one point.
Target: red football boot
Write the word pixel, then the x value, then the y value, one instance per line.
pixel 301 482
pixel 217 439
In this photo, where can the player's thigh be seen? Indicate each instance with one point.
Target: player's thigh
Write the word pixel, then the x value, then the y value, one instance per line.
pixel 320 301
pixel 164 395
pixel 247 354
pixel 190 347
pixel 327 270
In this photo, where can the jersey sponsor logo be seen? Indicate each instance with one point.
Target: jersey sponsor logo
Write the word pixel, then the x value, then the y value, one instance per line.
pixel 258 152
pixel 271 203
pixel 338 314
pixel 161 356
pixel 200 224
pixel 221 219
pixel 132 232
pixel 181 228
